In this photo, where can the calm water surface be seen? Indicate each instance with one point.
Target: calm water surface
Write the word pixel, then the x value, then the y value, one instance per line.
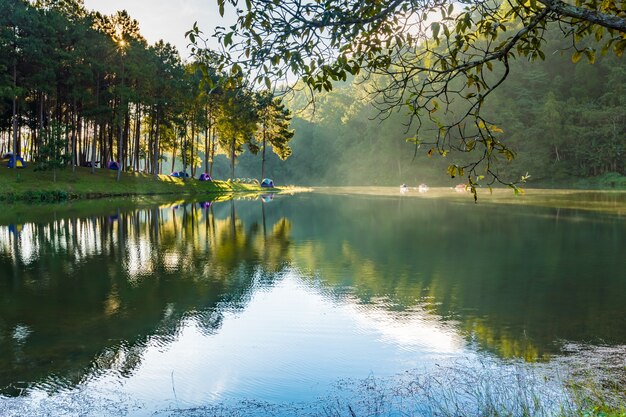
pixel 155 307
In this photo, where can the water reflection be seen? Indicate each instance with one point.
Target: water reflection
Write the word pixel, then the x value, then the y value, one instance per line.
pixel 104 287
pixel 232 294
pixel 517 281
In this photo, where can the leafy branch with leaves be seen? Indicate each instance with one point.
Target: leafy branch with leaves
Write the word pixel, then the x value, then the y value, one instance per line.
pixel 425 56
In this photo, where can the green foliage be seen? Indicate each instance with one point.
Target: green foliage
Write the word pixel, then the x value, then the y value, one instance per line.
pixel 561 131
pixel 51 153
pixel 429 67
pixel 117 97
pixel 274 126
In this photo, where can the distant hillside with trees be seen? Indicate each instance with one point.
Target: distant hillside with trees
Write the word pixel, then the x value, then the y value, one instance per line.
pixel 564 122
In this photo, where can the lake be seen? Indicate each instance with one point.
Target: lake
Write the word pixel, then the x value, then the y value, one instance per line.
pixel 279 305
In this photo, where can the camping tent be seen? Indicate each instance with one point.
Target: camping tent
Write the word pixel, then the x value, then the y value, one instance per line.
pixel 205 177
pixel 114 166
pixel 16 162
pixel 267 183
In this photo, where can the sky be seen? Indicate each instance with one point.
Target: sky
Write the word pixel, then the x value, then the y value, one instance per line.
pixel 165 19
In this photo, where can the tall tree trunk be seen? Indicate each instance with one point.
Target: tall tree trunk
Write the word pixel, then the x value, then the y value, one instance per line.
pixel 184 155
pixel 120 147
pixel 263 158
pixel 232 159
pixel 174 156
pixel 207 129
pixel 95 127
pixel 102 144
pixel 120 150
pixel 193 139
pixel 40 126
pixel 14 121
pixel 156 146
pixel 110 154
pixel 150 151
pixel 74 126
pixel 213 144
pixel 137 136
pixel 126 141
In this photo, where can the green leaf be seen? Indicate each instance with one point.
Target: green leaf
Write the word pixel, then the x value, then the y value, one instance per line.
pixel 599 33
pixel 452 169
pixel 576 57
pixel 435 28
pixel 228 39
pixel 619 47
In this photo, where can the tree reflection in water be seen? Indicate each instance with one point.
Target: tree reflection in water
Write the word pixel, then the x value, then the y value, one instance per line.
pixel 84 295
pixel 80 296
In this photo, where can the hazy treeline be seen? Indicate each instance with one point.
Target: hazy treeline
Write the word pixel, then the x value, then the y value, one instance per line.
pixel 563 121
pixel 80 88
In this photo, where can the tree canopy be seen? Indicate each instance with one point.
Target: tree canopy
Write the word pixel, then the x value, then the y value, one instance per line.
pixel 82 88
pixel 426 55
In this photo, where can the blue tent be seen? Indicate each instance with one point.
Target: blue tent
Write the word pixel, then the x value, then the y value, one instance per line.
pixel 113 165
pixel 16 162
pixel 174 174
pixel 205 177
pixel 267 183
pixel 15 229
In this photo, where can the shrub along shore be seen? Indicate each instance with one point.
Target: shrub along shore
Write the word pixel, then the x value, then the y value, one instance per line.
pixel 42 186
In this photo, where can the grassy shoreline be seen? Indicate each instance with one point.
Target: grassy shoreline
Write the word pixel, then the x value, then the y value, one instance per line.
pixel 27 185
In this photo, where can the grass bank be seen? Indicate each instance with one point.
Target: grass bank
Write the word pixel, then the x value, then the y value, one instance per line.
pixel 45 186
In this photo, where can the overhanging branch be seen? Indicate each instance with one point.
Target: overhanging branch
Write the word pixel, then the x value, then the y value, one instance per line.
pixel 608 21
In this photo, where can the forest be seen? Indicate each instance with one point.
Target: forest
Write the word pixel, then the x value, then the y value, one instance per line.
pixel 565 123
pixel 79 88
